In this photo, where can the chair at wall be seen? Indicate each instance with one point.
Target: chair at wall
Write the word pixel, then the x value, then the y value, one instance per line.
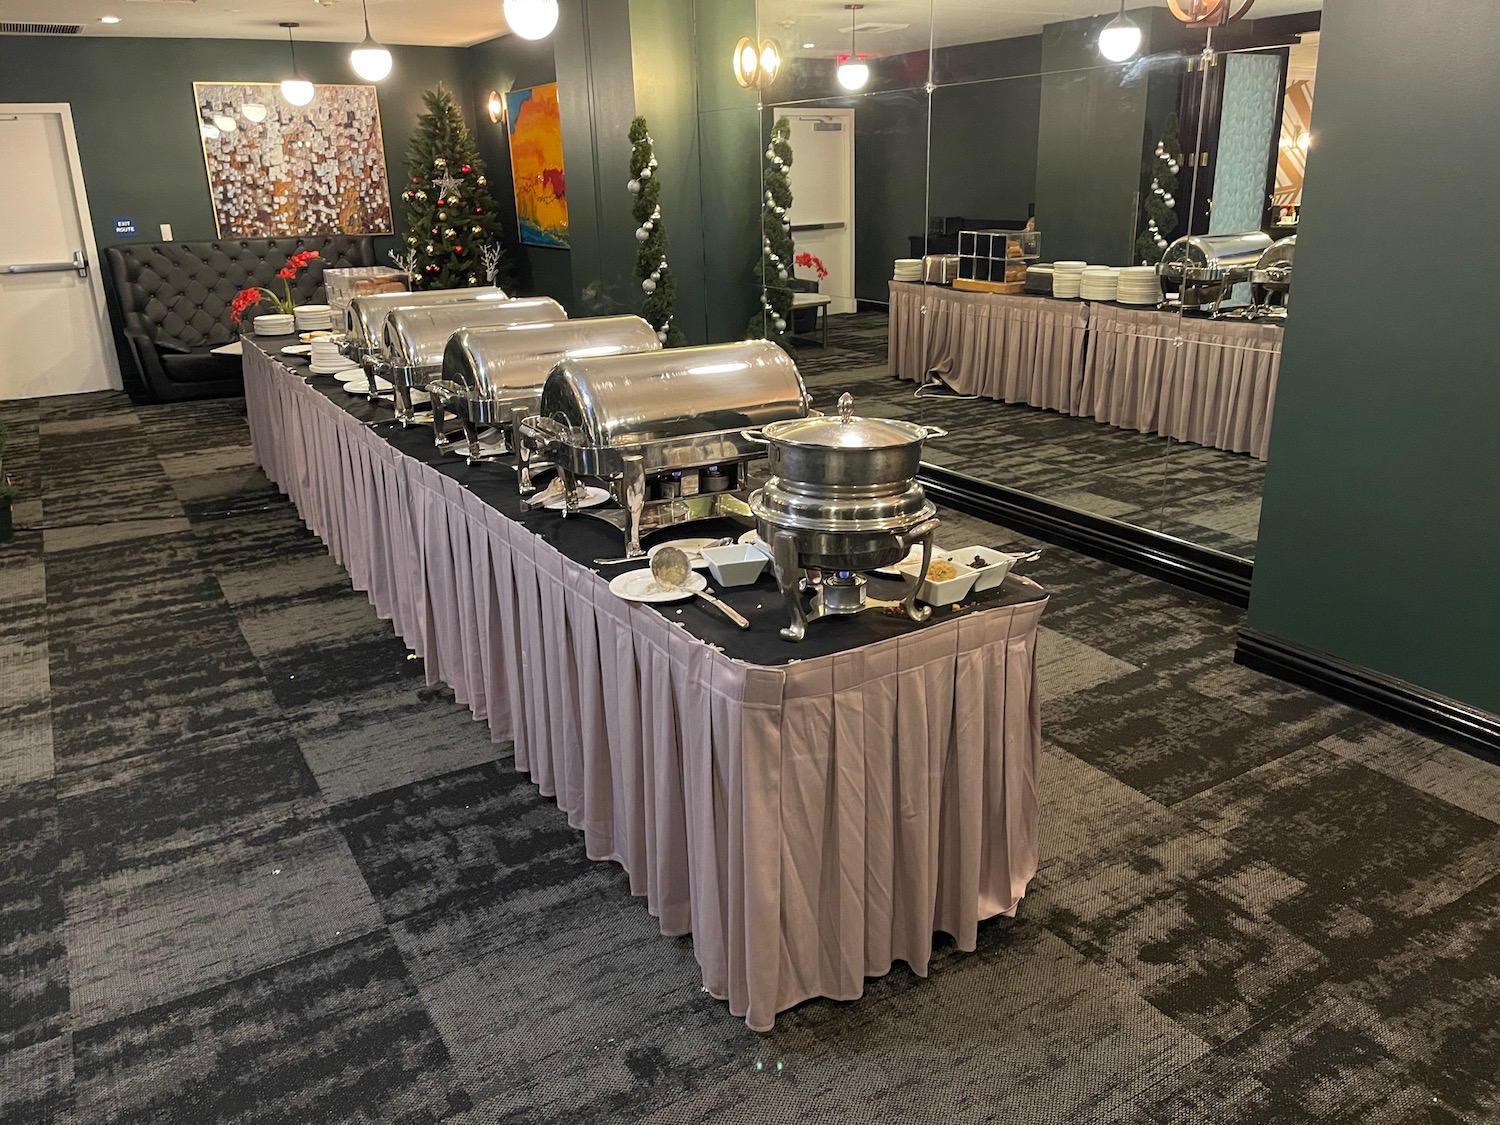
pixel 172 302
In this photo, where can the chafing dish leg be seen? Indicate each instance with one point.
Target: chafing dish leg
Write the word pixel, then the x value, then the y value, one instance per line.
pixel 402 395
pixel 924 532
pixel 633 486
pixel 522 451
pixel 784 562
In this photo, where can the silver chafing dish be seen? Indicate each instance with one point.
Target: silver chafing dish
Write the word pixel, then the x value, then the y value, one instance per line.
pixel 1271 280
pixel 414 337
pixel 364 319
pixel 1202 269
pixel 665 431
pixel 843 498
pixel 494 376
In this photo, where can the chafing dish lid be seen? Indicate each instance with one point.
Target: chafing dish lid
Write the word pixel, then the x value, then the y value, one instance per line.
pixel 845 431
pixel 415 336
pixel 514 356
pixel 624 400
pixel 365 316
pixel 1280 253
pixel 1205 257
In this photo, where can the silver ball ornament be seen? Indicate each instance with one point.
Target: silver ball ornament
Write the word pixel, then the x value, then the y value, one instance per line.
pixel 780 324
pixel 648 285
pixel 634 186
pixel 641 234
pixel 645 173
pixel 781 275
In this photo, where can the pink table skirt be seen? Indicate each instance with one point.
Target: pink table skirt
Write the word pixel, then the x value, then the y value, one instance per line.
pixel 810 824
pixel 1016 349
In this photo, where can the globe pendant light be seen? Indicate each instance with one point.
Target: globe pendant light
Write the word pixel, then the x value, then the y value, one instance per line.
pixel 853 74
pixel 1121 38
pixel 1207 13
pixel 531 19
pixel 370 60
pixel 296 89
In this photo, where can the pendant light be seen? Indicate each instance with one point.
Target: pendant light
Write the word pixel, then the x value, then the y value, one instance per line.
pixel 296 89
pixel 1121 38
pixel 853 74
pixel 1207 13
pixel 370 60
pixel 531 19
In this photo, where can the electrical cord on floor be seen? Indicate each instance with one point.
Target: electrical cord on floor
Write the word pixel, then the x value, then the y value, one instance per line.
pixel 922 391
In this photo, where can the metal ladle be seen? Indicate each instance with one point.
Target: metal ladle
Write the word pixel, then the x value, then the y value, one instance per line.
pixel 670 568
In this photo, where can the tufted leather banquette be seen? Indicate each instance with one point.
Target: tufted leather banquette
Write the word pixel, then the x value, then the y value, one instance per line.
pixel 174 300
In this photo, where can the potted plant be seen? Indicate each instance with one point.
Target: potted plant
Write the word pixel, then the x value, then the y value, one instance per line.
pixel 282 303
pixel 806 320
pixel 8 492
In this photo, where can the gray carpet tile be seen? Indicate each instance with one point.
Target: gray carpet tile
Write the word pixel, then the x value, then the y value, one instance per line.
pixel 253 867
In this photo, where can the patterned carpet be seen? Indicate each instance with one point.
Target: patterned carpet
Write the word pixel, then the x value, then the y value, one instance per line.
pixel 252 869
pixel 1206 496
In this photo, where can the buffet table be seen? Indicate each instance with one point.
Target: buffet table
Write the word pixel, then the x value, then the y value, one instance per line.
pixel 1212 382
pixel 810 813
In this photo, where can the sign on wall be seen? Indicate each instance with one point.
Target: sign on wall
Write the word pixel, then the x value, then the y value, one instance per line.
pixel 536 164
pixel 275 169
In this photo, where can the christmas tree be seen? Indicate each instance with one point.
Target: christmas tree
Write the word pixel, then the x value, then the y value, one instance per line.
pixel 1161 214
pixel 776 248
pixel 450 217
pixel 651 233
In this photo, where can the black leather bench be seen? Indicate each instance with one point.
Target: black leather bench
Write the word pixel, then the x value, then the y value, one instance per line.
pixel 173 302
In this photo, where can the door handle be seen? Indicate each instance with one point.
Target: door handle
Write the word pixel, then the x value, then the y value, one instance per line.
pixel 79 265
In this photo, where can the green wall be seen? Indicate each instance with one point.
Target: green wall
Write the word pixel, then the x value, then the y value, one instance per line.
pixel 135 117
pixel 1380 531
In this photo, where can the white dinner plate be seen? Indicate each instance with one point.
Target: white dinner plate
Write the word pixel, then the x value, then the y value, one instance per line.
pixel 692 548
pixel 346 374
pixel 751 538
pixel 592 497
pixel 362 387
pixel 641 586
pixel 297 349
pixel 236 348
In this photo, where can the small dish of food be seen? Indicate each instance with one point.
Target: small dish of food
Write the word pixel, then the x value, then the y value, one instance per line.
pixel 991 565
pixel 947 581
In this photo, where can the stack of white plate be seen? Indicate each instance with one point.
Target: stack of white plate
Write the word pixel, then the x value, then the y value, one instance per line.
pixel 1139 285
pixel 325 358
pixel 908 269
pixel 1067 278
pixel 314 318
pixel 274 324
pixel 1098 283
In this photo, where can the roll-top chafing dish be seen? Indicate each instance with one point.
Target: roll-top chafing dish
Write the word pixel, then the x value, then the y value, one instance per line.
pixel 493 376
pixel 1204 268
pixel 414 338
pixel 1271 280
pixel 364 319
pixel 666 431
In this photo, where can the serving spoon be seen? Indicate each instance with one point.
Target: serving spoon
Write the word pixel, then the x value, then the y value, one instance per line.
pixel 670 568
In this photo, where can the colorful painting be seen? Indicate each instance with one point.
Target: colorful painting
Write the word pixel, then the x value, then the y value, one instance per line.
pixel 536 165
pixel 275 169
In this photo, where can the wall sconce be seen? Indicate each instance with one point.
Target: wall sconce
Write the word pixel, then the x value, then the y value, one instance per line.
pixel 1207 13
pixel 756 66
pixel 495 104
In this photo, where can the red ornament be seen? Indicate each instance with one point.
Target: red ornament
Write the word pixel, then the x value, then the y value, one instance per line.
pixel 434 230
pixel 458 249
pixel 415 180
pixel 479 210
pixel 467 169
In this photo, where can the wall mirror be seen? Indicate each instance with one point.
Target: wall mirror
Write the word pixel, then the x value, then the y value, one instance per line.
pixel 1004 116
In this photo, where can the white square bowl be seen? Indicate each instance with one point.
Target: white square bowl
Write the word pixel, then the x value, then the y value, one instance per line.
pixel 997 565
pixel 950 590
pixel 738 564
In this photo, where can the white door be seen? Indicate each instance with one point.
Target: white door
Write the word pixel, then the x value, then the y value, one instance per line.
pixel 822 182
pixel 54 330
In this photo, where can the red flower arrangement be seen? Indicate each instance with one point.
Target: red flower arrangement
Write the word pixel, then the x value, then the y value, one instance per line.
pixel 812 262
pixel 247 298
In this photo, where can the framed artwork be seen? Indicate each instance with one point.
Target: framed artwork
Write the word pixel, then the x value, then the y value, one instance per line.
pixel 275 169
pixel 536 165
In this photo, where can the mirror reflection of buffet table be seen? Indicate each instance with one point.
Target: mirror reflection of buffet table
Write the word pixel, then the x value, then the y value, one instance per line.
pixel 810 813
pixel 1207 381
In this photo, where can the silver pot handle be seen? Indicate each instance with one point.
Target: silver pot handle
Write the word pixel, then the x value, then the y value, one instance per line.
pixel 541 433
pixel 756 435
pixel 916 534
pixel 935 431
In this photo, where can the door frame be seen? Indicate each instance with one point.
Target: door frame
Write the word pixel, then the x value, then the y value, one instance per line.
pixel 844 114
pixel 64 112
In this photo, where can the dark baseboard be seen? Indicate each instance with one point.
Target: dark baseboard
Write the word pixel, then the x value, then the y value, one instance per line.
pixel 1415 707
pixel 1161 556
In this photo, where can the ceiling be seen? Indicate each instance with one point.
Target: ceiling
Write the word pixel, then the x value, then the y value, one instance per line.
pixel 432 23
pixel 885 27
pixel 888 27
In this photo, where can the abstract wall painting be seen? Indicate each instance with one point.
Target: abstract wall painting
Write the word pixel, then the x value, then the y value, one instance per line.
pixel 536 163
pixel 275 169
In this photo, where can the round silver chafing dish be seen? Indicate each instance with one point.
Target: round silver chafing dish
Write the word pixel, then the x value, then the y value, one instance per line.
pixel 1204 268
pixel 364 319
pixel 413 338
pixel 843 499
pixel 490 375
pixel 1271 280
pixel 671 423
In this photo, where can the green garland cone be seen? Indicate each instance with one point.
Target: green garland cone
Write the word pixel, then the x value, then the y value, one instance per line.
pixel 657 284
pixel 1161 216
pixel 450 215
pixel 777 249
